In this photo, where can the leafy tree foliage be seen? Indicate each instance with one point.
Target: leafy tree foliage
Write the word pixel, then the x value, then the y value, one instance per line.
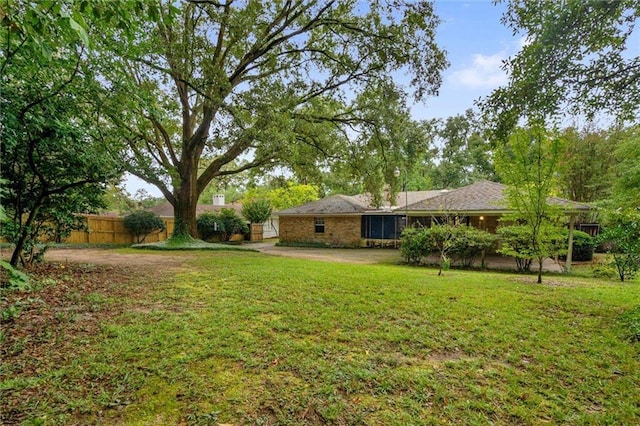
pixel 258 211
pixel 626 181
pixel 266 81
pixel 621 238
pixel 283 197
pixel 54 153
pixel 465 155
pixel 584 172
pixel 12 277
pixel 527 164
pixel 578 54
pixel 142 223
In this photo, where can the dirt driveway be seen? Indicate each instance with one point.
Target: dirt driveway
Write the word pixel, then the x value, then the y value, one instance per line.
pixel 364 256
pixel 173 259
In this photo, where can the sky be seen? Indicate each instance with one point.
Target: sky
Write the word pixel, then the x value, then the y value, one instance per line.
pixel 476 43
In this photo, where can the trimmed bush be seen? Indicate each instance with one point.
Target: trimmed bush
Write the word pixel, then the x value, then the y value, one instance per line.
pixel 516 242
pixel 209 225
pixel 142 223
pixel 232 224
pixel 583 246
pixel 415 244
pixel 468 243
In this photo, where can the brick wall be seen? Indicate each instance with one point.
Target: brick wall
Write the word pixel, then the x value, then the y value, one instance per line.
pixel 342 231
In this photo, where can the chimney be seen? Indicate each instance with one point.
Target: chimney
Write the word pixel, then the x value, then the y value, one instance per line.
pixel 218 200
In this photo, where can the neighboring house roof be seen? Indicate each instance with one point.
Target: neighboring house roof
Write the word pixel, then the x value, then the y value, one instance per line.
pixel 480 197
pixel 336 204
pixel 166 209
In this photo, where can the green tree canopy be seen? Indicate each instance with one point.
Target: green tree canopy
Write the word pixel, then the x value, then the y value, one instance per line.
pixel 579 56
pixel 54 154
pixel 261 80
pixel 283 197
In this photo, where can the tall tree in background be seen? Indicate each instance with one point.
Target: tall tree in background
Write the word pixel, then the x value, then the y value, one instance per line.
pixel 586 164
pixel 625 191
pixel 465 155
pixel 579 57
pixel 256 80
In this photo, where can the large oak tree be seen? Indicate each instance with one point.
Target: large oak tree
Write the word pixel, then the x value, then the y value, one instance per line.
pixel 268 83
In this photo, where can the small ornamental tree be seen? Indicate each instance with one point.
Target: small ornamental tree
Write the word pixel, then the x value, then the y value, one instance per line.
pixel 621 238
pixel 442 239
pixel 258 211
pixel 528 163
pixel 142 223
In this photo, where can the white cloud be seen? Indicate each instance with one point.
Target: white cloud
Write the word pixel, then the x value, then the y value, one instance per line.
pixel 484 72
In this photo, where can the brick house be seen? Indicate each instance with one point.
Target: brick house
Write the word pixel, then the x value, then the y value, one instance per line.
pixel 352 221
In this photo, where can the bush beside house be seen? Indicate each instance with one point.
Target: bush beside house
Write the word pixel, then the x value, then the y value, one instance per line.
pixel 221 226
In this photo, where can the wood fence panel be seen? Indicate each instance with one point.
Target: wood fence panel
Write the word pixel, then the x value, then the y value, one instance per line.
pixel 111 230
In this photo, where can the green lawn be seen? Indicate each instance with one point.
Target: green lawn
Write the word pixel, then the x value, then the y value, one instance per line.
pixel 245 338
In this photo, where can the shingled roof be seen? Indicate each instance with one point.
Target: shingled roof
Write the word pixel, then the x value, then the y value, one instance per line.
pixel 355 204
pixel 336 204
pixel 481 196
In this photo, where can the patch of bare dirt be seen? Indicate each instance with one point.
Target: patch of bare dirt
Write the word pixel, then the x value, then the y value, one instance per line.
pixel 110 257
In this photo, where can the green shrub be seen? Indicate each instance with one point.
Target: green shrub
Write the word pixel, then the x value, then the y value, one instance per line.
pixel 516 242
pixel 469 242
pixel 620 237
pixel 142 223
pixel 258 211
pixel 209 225
pixel 232 224
pixel 583 246
pixel 603 268
pixel 631 322
pixel 415 244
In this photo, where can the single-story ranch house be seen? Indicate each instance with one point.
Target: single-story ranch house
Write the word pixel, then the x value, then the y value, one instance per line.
pixel 352 221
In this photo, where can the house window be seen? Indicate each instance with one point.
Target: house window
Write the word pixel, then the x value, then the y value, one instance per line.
pixel 319 225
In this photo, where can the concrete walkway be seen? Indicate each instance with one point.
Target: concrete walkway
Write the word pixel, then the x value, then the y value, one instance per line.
pixel 378 255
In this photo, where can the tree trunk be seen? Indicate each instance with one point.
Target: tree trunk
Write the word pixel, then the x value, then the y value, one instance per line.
pixel 24 234
pixel 184 209
pixel 540 271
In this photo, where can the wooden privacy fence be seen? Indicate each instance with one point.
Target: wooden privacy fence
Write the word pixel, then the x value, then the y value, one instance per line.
pixel 111 230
